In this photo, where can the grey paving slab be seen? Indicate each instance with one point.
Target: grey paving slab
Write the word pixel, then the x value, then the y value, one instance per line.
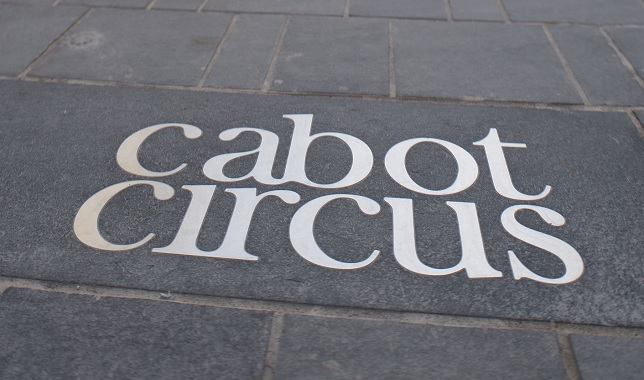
pixel 60 145
pixel 487 10
pixel 480 60
pixel 325 348
pixel 190 5
pixel 133 46
pixel 587 11
pixel 326 7
pixel 59 336
pixel 247 52
pixel 603 77
pixel 110 3
pixel 631 43
pixel 334 55
pixel 26 31
pixel 605 357
pixel 429 9
pixel 32 2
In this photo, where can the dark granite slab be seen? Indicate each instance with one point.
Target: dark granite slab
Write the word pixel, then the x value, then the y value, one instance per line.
pixel 334 348
pixel 429 9
pixel 312 7
pixel 487 10
pixel 110 3
pixel 58 336
pixel 59 149
pixel 631 43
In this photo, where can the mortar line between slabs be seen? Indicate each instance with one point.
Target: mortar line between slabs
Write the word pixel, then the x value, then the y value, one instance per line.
pixel 567 355
pixel 629 66
pixel 347 9
pixel 53 44
pixel 504 12
pixel 448 10
pixel 55 3
pixel 150 5
pixel 313 310
pixel 636 122
pixel 331 95
pixel 566 65
pixel 266 86
pixel 217 52
pixel 270 361
pixel 201 6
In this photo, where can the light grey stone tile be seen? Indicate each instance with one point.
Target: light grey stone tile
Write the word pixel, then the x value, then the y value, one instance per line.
pixel 603 77
pixel 606 357
pixel 487 10
pixel 334 55
pixel 312 7
pixel 110 3
pixel 63 336
pixel 136 46
pixel 478 60
pixel 334 348
pixel 247 52
pixel 429 9
pixel 588 11
pixel 26 31
pixel 190 5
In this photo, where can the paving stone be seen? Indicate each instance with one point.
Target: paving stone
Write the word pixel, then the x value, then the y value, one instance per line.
pixel 103 47
pixel 631 43
pixel 190 5
pixel 334 55
pixel 603 77
pixel 334 348
pixel 480 60
pixel 26 31
pixel 429 9
pixel 59 149
pixel 32 2
pixel 606 357
pixel 247 52
pixel 60 336
pixel 110 3
pixel 312 7
pixel 589 11
pixel 487 10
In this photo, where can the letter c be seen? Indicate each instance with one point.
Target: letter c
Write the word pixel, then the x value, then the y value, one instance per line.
pixel 86 221
pixel 127 155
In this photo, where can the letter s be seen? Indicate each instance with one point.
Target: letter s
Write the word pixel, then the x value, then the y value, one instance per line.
pixel 566 253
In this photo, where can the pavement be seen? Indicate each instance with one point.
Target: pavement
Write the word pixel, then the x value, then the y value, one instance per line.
pixel 338 189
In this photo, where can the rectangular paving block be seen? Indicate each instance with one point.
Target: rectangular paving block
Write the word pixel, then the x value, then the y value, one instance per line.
pixel 575 178
pixel 334 55
pixel 587 11
pixel 62 336
pixel 603 77
pixel 132 46
pixel 478 60
pixel 487 10
pixel 427 9
pixel 334 348
pixel 247 52
pixel 631 43
pixel 110 3
pixel 312 7
pixel 33 2
pixel 608 357
pixel 188 5
pixel 26 31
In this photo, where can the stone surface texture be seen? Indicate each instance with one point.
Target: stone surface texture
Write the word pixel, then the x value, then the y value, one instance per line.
pixel 334 348
pixel 103 47
pixel 561 82
pixel 62 336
